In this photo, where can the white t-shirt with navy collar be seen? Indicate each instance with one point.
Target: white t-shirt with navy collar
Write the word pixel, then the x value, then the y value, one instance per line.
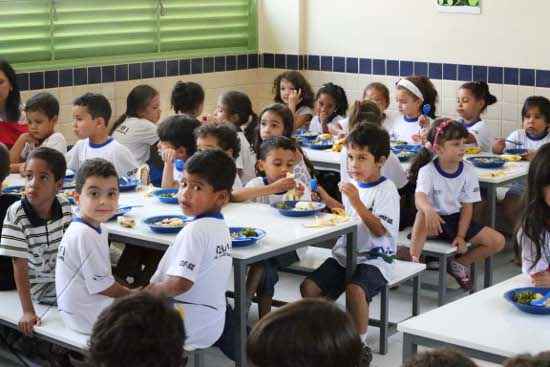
pixel 116 153
pixel 200 253
pixel 404 128
pixel 55 141
pixel 482 133
pixel 274 198
pixel 382 199
pixel 246 161
pixel 82 271
pixel 315 125
pixel 447 191
pixel 137 135
pixel 528 141
pixel 529 265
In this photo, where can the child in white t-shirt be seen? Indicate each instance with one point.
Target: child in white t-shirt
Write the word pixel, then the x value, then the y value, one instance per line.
pixel 331 105
pixel 416 100
pixel 294 91
pixel 446 189
pixel 373 200
pixel 91 114
pixel 379 94
pixel 187 99
pixel 235 108
pixel 83 279
pixel 42 111
pixel 176 144
pixel 195 269
pixel 473 100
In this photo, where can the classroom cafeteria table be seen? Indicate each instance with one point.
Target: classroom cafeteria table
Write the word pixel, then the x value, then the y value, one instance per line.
pixel 284 234
pixel 483 325
pixel 489 179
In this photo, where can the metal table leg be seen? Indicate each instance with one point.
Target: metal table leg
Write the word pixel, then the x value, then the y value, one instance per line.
pixel 240 313
pixel 442 286
pixel 492 199
pixel 351 256
pixel 409 347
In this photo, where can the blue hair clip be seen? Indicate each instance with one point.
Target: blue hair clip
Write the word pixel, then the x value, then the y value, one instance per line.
pixel 313 184
pixel 426 109
pixel 180 164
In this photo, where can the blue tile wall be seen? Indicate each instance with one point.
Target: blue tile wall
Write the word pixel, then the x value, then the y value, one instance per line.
pixel 230 63
pixel 280 61
pixel 406 68
pixel 496 75
pixel 253 61
pixel 379 67
pixel 94 75
pixel 121 73
pixel 313 62
pixel 527 77
pixel 450 71
pixel 80 76
pixel 185 67
pixel 36 80
pixel 172 68
pixel 339 64
pixel 392 67
pixel 148 70
pixel 420 68
pixel 435 70
pixel 219 63
pixel 107 74
pixel 134 71
pixel 208 65
pixel 242 62
pixel 480 73
pixel 326 63
pixel 292 62
pixel 543 78
pixel 465 73
pixel 196 66
pixel 352 65
pixel 51 79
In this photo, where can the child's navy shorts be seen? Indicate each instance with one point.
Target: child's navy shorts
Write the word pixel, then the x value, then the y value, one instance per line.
pixel 450 228
pixel 271 267
pixel 331 278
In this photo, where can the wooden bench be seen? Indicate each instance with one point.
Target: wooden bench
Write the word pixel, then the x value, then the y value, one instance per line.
pixel 403 271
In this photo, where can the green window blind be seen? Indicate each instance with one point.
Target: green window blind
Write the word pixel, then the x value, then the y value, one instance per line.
pixel 42 33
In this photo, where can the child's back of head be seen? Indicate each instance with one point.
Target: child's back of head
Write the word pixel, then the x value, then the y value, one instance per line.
pixel 215 167
pixel 187 98
pixel 139 330
pixel 526 360
pixel 179 131
pixel 308 333
pixel 365 111
pixel 440 358
pixel 97 105
pixel 225 135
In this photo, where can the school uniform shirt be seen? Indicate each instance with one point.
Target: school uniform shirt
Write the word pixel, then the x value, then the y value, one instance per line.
pixel 315 126
pixel 237 184
pixel 382 199
pixel 55 141
pixel 481 131
pixel 246 160
pixel 137 135
pixel 391 169
pixel 116 153
pixel 83 270
pixel 404 128
pixel 25 235
pixel 200 253
pixel 447 191
pixel 529 254
pixel 528 141
pixel 274 198
pixel 390 117
pixel 304 111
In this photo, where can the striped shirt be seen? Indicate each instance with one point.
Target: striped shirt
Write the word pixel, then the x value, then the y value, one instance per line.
pixel 26 235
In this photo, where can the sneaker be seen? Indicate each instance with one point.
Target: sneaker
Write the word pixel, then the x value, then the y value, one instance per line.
pixel 461 274
pixel 366 356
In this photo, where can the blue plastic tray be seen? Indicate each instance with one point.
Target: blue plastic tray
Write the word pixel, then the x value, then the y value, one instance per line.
pixel 245 241
pixel 415 148
pixel 527 308
pixel 518 151
pixel 289 210
pixel 487 162
pixel 166 200
pixel 127 184
pixel 161 229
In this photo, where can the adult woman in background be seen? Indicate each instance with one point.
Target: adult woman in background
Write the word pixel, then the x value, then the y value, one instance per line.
pixel 12 121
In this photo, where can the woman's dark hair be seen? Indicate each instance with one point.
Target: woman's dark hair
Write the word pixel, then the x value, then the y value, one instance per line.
pixel 277 142
pixel 445 357
pixel 339 96
pixel 308 333
pixel 284 113
pixel 225 135
pixel 13 102
pixel 299 83
pixel 536 212
pixel 54 159
pixel 238 103
pixel 480 91
pixel 379 87
pixel 542 103
pixel 365 111
pixel 442 130
pixel 136 102
pixel 186 97
pixel 428 92
pixel 139 330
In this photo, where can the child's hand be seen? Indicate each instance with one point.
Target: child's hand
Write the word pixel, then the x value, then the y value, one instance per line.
pixel 433 222
pixel 499 145
pixel 529 155
pixel 350 191
pixel 424 122
pixel 27 322
pixel 284 184
pixel 294 99
pixel 541 279
pixel 168 155
pixel 460 244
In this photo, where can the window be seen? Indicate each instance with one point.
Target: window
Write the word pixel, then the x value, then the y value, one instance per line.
pixel 48 33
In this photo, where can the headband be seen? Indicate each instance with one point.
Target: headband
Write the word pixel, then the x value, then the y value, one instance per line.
pixel 408 85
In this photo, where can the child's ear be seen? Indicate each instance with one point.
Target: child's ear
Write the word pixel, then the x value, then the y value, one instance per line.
pixel 381 160
pixel 100 122
pixel 59 185
pixel 55 119
pixel 260 165
pixel 222 198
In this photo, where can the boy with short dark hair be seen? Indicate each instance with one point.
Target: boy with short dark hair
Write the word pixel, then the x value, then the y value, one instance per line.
pixel 176 144
pixel 139 331
pixel 83 278
pixel 91 114
pixel 196 267
pixel 33 228
pixel 42 111
pixel 372 199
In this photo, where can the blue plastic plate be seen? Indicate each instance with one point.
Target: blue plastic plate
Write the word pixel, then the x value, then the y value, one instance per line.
pixel 121 211
pixel 487 161
pixel 69 175
pixel 528 308
pixel 404 155
pixel 287 208
pixel 15 190
pixel 518 151
pixel 320 146
pixel 160 194
pixel 127 184
pixel 307 136
pixel 152 223
pixel 241 241
pixel 414 148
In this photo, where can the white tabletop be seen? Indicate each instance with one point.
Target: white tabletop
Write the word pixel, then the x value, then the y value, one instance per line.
pixel 281 231
pixel 510 171
pixel 486 322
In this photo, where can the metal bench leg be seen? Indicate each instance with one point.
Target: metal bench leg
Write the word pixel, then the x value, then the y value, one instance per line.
pixel 442 286
pixel 473 276
pixel 198 358
pixel 384 314
pixel 488 278
pixel 416 292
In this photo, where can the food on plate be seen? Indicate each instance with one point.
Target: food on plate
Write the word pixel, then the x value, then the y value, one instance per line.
pixel 244 233
pixel 304 205
pixel 526 297
pixel 126 221
pixel 338 145
pixel 472 150
pixel 511 157
pixel 323 139
pixel 292 194
pixel 170 222
pixel 169 195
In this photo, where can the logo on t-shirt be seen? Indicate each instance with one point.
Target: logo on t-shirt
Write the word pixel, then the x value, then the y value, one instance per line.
pixel 187 265
pixel 223 250
pixel 123 129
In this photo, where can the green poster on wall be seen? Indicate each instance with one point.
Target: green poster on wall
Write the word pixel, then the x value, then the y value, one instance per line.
pixel 459 6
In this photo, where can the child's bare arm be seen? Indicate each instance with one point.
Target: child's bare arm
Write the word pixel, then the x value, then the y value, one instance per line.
pixel 251 193
pixel 330 202
pixel 21 276
pixel 466 214
pixel 433 220
pixel 171 287
pixel 116 291
pixel 15 151
pixel 372 222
